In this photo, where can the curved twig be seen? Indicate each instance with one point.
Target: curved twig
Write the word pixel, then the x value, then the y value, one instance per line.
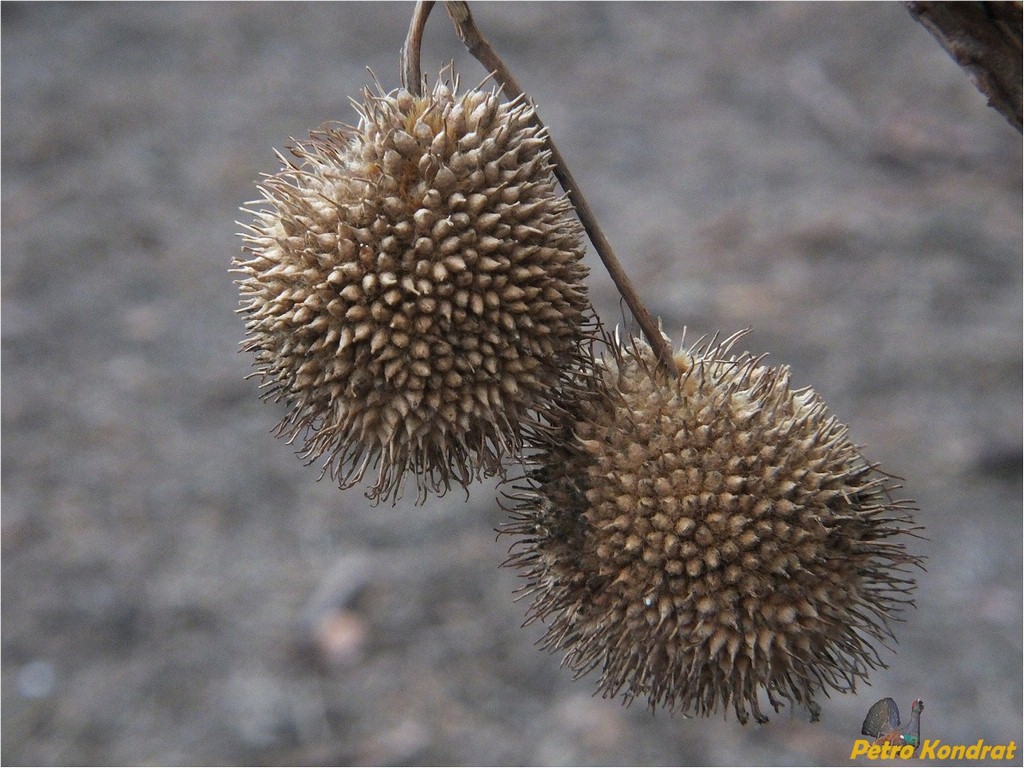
pixel 482 50
pixel 412 78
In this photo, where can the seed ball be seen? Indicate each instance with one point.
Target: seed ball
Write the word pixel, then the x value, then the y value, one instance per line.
pixel 703 538
pixel 413 288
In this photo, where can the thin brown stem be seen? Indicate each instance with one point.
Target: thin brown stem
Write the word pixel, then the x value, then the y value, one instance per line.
pixel 482 50
pixel 412 77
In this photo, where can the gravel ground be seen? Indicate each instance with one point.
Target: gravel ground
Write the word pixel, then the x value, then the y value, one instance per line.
pixel 178 588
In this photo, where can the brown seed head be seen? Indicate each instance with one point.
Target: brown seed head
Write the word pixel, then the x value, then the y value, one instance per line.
pixel 702 538
pixel 414 288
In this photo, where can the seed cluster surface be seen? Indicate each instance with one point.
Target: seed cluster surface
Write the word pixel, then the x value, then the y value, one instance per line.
pixel 414 288
pixel 700 539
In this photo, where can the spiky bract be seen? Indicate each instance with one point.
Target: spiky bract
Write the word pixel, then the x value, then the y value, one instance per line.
pixel 702 538
pixel 414 288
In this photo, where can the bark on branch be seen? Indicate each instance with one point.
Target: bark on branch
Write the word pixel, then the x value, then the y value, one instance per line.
pixel 985 39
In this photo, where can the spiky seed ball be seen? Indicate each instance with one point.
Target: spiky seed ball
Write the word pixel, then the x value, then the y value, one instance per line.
pixel 699 539
pixel 414 286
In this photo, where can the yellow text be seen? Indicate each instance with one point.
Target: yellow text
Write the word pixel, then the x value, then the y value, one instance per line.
pixel 881 751
pixel 934 749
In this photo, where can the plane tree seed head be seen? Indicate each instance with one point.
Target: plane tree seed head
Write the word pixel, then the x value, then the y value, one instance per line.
pixel 706 539
pixel 413 288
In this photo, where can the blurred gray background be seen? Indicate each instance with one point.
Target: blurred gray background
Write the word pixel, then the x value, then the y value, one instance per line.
pixel 178 588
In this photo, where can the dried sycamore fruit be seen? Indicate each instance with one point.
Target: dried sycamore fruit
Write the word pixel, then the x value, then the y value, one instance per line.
pixel 413 288
pixel 701 538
